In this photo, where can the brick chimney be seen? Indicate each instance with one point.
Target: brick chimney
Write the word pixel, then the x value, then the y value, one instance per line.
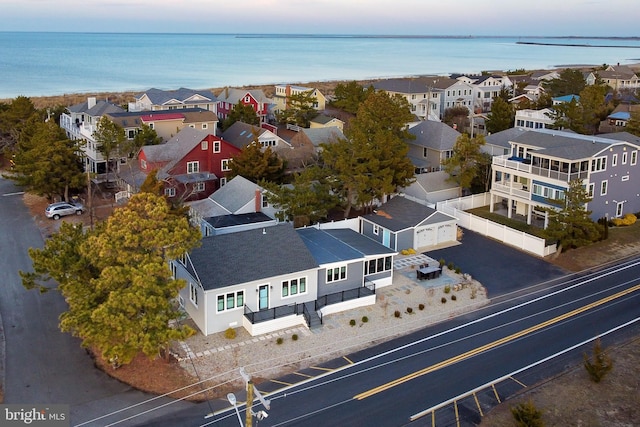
pixel 258 200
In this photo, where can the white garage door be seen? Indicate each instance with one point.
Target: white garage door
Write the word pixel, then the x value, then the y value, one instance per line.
pixel 426 237
pixel 446 233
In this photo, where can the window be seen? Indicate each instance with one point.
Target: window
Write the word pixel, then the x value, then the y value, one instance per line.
pixel 634 158
pixel 225 165
pixel 591 189
pixel 425 150
pixel 193 294
pixel 193 167
pixel 143 164
pixel 614 160
pixel 205 126
pixel 131 134
pixel 624 158
pixel 598 164
pixel 204 145
pixel 294 287
pixel 377 265
pixel 603 188
pixel 170 192
pixel 199 187
pixel 625 178
pixel 265 202
pixel 223 181
pixel 174 270
pixel 230 300
pixel 376 229
pixel 337 273
pixel 216 146
pixel 619 208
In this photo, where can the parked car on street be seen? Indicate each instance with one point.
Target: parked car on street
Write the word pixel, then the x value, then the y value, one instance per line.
pixel 59 209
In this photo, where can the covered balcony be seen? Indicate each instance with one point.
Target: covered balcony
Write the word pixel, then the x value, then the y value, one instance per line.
pixel 545 167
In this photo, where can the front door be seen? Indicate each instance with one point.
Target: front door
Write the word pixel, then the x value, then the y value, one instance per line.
pixel 386 238
pixel 263 297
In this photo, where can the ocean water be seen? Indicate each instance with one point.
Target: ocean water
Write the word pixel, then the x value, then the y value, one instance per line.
pixel 42 64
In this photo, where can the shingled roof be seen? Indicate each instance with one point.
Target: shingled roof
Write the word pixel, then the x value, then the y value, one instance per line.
pixel 400 213
pixel 246 256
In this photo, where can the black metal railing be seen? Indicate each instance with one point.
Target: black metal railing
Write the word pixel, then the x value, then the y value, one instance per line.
pixel 368 289
pixel 272 313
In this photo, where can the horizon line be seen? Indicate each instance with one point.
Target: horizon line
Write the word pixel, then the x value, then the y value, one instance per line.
pixel 335 35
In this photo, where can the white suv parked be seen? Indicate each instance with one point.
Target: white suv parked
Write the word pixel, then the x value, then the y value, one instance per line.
pixel 56 210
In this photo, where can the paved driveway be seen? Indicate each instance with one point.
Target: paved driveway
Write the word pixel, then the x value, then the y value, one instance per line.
pixel 500 268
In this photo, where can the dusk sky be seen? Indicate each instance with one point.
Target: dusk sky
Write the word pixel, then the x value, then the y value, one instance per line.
pixel 400 17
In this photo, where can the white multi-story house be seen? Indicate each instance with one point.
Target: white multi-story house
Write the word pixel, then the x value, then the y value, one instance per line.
pixel 79 122
pixel 534 119
pixel 421 93
pixel 455 93
pixel 542 162
pixel 485 89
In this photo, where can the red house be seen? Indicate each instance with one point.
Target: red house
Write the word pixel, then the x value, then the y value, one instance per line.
pixel 193 164
pixel 256 98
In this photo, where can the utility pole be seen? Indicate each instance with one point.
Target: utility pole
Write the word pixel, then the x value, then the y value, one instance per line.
pixel 249 419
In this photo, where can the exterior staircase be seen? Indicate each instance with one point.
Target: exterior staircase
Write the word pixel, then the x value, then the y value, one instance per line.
pixel 314 321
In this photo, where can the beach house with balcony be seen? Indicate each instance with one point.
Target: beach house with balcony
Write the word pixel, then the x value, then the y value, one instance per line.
pixel 79 122
pixel 541 163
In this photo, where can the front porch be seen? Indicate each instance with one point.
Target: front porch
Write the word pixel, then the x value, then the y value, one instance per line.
pixel 307 314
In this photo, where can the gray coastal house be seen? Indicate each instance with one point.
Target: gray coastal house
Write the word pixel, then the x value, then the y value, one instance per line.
pixel 270 278
pixel 542 162
pixel 432 145
pixel 403 224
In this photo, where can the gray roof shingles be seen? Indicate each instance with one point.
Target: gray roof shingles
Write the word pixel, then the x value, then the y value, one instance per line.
pixel 236 258
pixel 564 145
pixel 339 245
pixel 436 135
pixel 399 214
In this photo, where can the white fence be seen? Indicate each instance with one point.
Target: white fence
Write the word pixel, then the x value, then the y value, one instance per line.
pixel 509 236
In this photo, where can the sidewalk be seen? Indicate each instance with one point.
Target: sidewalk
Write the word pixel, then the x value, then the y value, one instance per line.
pixel 216 359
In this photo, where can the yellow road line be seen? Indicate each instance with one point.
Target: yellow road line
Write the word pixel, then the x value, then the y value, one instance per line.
pixel 455 406
pixel 475 396
pixel 493 386
pixel 281 382
pixel 304 375
pixel 492 345
pixel 321 368
pixel 348 360
pixel 519 382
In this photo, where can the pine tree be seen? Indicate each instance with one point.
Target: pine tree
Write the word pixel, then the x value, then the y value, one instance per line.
pixel 462 166
pixel 307 200
pixel 46 162
pixel 601 364
pixel 241 113
pixel 372 160
pixel 110 139
pixel 501 116
pixel 571 225
pixel 116 280
pixel 349 96
pixel 255 164
pixel 300 109
pixel 527 415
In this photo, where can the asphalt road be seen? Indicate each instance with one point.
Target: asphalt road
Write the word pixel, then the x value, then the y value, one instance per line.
pixel 43 365
pixel 386 387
